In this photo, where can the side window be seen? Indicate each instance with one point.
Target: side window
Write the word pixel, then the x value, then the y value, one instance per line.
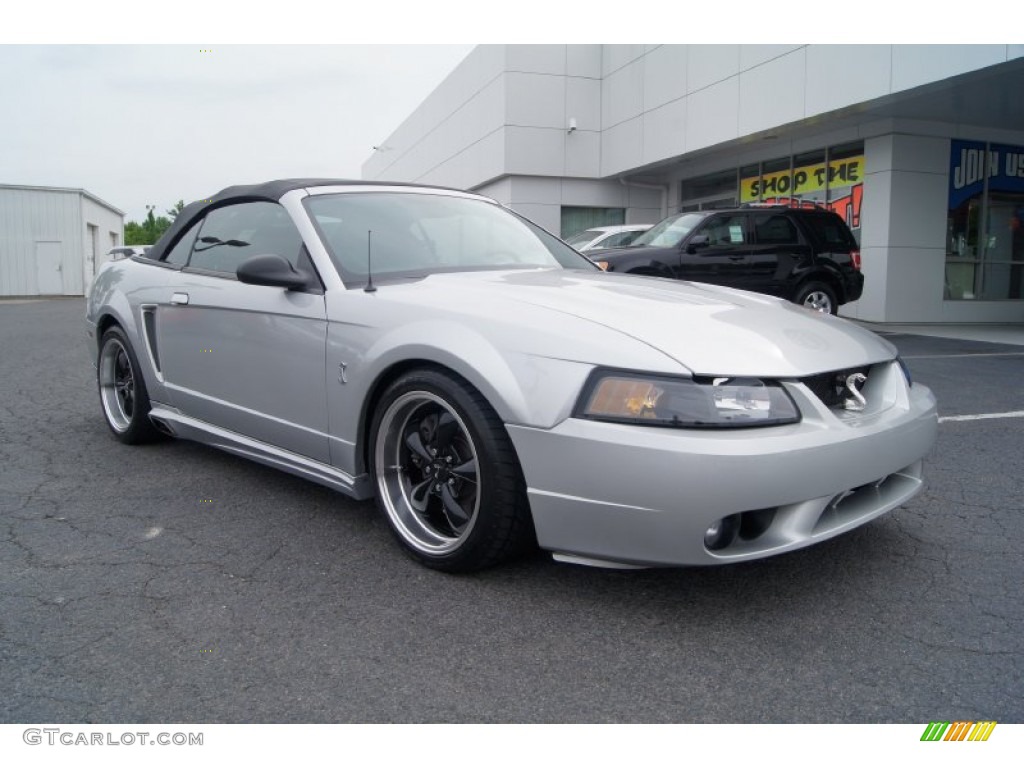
pixel 617 240
pixel 774 229
pixel 179 253
pixel 725 230
pixel 831 230
pixel 232 234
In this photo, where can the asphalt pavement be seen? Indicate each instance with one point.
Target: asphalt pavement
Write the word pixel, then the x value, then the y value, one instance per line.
pixel 176 583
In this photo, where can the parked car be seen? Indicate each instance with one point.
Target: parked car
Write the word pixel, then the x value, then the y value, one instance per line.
pixel 493 389
pixel 599 238
pixel 127 251
pixel 805 255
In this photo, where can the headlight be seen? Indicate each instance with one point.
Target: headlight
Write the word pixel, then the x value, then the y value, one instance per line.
pixel 662 401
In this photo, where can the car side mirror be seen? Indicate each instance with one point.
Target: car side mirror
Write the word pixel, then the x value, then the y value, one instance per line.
pixel 271 270
pixel 697 241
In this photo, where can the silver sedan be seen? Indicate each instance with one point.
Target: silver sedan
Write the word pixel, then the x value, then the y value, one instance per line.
pixel 493 389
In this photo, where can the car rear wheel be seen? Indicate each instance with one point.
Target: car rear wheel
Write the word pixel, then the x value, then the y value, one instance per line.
pixel 122 390
pixel 819 297
pixel 446 474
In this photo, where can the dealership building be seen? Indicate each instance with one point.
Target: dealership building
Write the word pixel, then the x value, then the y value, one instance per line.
pixel 919 148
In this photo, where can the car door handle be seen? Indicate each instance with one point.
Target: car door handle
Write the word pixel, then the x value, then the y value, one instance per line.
pixel 737 258
pixel 179 298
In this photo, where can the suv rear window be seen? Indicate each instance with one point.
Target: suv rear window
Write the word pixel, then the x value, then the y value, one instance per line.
pixel 830 230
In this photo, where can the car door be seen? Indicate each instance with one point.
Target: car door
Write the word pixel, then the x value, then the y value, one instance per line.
pixel 777 252
pixel 725 258
pixel 246 358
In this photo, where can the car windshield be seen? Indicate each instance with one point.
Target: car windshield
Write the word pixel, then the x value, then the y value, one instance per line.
pixel 670 232
pixel 411 234
pixel 582 238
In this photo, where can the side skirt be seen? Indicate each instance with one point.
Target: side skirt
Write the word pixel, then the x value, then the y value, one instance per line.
pixel 179 425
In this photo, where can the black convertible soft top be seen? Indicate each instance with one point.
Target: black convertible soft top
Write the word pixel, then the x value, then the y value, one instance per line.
pixel 271 191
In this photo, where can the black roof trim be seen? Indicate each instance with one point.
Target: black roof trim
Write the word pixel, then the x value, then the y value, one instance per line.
pixel 268 191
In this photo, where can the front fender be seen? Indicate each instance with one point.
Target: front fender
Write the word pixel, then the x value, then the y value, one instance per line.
pixel 107 303
pixel 522 388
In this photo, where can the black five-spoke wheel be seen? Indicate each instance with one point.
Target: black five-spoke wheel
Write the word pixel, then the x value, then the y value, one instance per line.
pixel 122 390
pixel 446 475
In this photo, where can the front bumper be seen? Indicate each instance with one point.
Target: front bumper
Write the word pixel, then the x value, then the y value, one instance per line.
pixel 646 495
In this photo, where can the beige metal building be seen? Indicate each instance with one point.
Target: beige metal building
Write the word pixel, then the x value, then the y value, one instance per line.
pixel 53 239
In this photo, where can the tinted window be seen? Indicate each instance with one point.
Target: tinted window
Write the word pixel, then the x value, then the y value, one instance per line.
pixel 774 229
pixel 830 231
pixel 725 230
pixel 179 253
pixel 232 234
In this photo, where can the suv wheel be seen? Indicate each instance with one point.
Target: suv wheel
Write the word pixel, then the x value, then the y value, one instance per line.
pixel 819 297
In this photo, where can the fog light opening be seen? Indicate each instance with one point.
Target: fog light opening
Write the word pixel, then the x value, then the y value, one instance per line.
pixel 722 533
pixel 755 522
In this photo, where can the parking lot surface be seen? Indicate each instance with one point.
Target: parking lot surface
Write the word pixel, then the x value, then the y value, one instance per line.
pixel 176 583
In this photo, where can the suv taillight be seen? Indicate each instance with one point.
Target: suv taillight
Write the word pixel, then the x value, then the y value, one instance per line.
pixel 855 259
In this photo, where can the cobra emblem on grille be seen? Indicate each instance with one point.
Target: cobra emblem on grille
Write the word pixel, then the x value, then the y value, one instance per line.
pixel 856 401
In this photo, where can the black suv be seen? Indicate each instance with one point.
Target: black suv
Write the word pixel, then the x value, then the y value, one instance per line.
pixel 806 255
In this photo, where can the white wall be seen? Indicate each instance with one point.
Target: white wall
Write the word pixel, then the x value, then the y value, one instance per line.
pixel 107 222
pixel 663 102
pixel 540 199
pixel 506 109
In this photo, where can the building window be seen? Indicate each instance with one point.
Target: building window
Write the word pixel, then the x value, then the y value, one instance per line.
pixel 578 219
pixel 716 190
pixel 845 190
pixel 832 178
pixel 984 236
pixel 810 178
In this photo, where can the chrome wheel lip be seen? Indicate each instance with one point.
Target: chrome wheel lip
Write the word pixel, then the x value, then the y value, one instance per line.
pixel 818 301
pixel 395 486
pixel 118 391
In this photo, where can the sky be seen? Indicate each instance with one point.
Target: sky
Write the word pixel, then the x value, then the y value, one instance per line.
pixel 140 125
pixel 306 88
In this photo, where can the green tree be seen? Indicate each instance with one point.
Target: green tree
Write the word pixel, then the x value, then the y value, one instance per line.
pixel 151 228
pixel 134 234
pixel 175 209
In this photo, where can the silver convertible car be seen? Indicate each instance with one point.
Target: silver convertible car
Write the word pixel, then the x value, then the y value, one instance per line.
pixel 493 389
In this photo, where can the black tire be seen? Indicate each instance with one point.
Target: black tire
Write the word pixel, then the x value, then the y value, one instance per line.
pixel 818 296
pixel 446 475
pixel 123 397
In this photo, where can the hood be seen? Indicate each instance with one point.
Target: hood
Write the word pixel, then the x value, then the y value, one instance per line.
pixel 710 330
pixel 613 254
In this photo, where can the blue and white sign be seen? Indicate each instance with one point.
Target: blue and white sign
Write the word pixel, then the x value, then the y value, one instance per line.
pixel 968 167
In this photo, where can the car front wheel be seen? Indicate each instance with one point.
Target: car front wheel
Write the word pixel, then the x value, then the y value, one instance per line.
pixel 819 297
pixel 446 474
pixel 122 390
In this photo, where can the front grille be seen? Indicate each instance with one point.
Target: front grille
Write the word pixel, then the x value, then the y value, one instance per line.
pixel 830 387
